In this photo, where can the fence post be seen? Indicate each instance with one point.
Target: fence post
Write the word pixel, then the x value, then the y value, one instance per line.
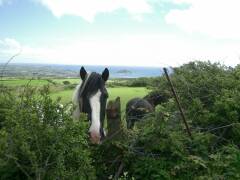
pixel 114 126
pixel 178 103
pixel 114 123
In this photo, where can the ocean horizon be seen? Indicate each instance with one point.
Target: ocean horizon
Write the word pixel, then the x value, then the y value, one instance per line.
pixel 62 70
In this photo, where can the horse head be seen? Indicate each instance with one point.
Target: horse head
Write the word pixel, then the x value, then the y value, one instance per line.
pixel 91 97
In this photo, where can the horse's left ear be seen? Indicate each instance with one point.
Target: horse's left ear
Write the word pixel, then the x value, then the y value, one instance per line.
pixel 83 73
pixel 105 74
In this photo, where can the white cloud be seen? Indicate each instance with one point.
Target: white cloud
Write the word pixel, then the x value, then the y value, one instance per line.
pixel 216 18
pixel 137 50
pixel 88 9
pixel 9 45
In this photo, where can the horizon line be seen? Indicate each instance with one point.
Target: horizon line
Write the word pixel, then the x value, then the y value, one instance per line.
pixel 100 65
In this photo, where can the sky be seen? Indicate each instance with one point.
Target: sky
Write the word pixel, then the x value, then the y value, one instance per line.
pixel 120 32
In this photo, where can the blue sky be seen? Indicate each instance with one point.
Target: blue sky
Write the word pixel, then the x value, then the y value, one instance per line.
pixel 120 32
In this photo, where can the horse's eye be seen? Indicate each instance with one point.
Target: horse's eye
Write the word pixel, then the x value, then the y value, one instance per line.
pixel 105 95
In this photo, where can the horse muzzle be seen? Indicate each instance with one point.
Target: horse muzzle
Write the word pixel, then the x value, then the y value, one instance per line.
pixel 95 137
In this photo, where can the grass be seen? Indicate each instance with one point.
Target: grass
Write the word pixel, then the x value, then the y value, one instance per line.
pixel 71 80
pixel 37 82
pixel 65 95
pixel 22 82
pixel 125 93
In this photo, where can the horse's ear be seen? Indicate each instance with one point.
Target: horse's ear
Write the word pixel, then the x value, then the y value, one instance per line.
pixel 83 73
pixel 105 74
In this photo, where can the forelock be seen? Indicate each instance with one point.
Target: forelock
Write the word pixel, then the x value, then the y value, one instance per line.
pixel 94 82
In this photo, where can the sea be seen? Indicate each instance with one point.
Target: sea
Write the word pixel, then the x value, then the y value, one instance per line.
pixel 120 71
pixel 68 71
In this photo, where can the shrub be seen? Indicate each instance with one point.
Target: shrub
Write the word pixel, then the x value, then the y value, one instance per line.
pixel 66 82
pixel 162 150
pixel 159 148
pixel 40 140
pixel 70 87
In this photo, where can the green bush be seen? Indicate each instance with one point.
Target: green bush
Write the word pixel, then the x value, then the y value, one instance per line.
pixel 159 147
pixel 70 87
pixel 40 140
pixel 162 150
pixel 66 82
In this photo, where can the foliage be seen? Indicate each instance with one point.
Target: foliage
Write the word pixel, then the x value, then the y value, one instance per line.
pixel 209 94
pixel 40 140
pixel 66 82
pixel 159 148
pixel 139 82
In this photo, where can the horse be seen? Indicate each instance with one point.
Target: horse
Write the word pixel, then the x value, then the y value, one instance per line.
pixel 138 108
pixel 90 97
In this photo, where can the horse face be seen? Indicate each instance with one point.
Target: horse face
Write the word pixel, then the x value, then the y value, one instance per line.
pixel 95 106
pixel 98 106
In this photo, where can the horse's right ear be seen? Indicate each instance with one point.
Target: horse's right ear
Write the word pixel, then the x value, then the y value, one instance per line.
pixel 105 74
pixel 83 73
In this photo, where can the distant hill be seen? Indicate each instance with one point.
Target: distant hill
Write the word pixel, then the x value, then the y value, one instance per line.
pixel 124 71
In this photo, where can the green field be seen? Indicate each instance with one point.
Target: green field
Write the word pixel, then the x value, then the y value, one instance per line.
pixel 36 82
pixel 57 89
pixel 125 93
pixel 22 82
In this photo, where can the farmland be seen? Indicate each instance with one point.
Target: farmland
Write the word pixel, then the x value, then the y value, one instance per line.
pixel 36 82
pixel 59 90
pixel 125 93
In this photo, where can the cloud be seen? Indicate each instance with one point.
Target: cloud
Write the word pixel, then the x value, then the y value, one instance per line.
pixel 216 18
pixel 88 9
pixel 9 45
pixel 129 50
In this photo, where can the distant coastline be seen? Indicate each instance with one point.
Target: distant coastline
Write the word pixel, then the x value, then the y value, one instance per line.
pixel 124 71
pixel 67 71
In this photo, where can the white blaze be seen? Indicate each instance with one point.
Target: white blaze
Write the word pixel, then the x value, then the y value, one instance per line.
pixel 95 106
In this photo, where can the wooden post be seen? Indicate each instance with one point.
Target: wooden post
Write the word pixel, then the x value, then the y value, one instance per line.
pixel 178 103
pixel 114 124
